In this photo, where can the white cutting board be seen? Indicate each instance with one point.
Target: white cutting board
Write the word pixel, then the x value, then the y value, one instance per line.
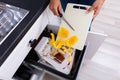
pixel 80 20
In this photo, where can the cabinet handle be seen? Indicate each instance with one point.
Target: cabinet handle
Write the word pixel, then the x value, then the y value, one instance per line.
pixel 32 42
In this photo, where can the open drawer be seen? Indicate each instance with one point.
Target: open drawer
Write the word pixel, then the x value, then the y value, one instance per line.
pixel 39 64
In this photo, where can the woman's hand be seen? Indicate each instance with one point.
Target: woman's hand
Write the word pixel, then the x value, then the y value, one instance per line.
pixel 97 5
pixel 55 6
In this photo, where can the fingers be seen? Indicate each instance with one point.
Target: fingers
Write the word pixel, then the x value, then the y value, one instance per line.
pixel 96 12
pixel 97 5
pixel 60 9
pixel 96 9
pixel 53 9
pixel 90 9
pixel 56 9
pixel 55 6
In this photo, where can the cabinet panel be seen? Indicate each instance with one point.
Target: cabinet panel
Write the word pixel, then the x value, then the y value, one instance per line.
pixel 15 59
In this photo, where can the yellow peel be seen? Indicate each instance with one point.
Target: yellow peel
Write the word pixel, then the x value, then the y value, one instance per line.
pixel 63 32
pixel 52 38
pixel 72 41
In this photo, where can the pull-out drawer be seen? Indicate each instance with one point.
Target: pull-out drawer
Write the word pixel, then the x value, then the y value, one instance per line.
pixel 36 63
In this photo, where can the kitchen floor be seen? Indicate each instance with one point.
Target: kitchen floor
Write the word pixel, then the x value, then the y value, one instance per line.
pixel 105 65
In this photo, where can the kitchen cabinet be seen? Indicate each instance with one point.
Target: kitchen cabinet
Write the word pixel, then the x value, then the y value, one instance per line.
pixel 94 41
pixel 23 48
pixel 39 69
pixel 12 63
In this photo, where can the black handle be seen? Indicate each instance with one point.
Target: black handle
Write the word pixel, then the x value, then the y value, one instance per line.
pixel 60 14
pixel 79 7
pixel 32 42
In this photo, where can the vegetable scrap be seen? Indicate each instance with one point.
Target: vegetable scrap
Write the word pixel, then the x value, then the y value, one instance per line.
pixel 64 43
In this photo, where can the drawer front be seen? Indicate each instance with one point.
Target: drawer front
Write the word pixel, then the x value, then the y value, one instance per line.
pixel 15 59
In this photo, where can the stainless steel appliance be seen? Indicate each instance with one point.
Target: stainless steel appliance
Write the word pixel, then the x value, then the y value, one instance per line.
pixel 10 17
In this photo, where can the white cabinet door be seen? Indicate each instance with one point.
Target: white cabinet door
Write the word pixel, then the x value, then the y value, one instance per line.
pixel 93 41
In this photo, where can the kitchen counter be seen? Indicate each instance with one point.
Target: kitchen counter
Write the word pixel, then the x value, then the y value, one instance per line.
pixel 35 9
